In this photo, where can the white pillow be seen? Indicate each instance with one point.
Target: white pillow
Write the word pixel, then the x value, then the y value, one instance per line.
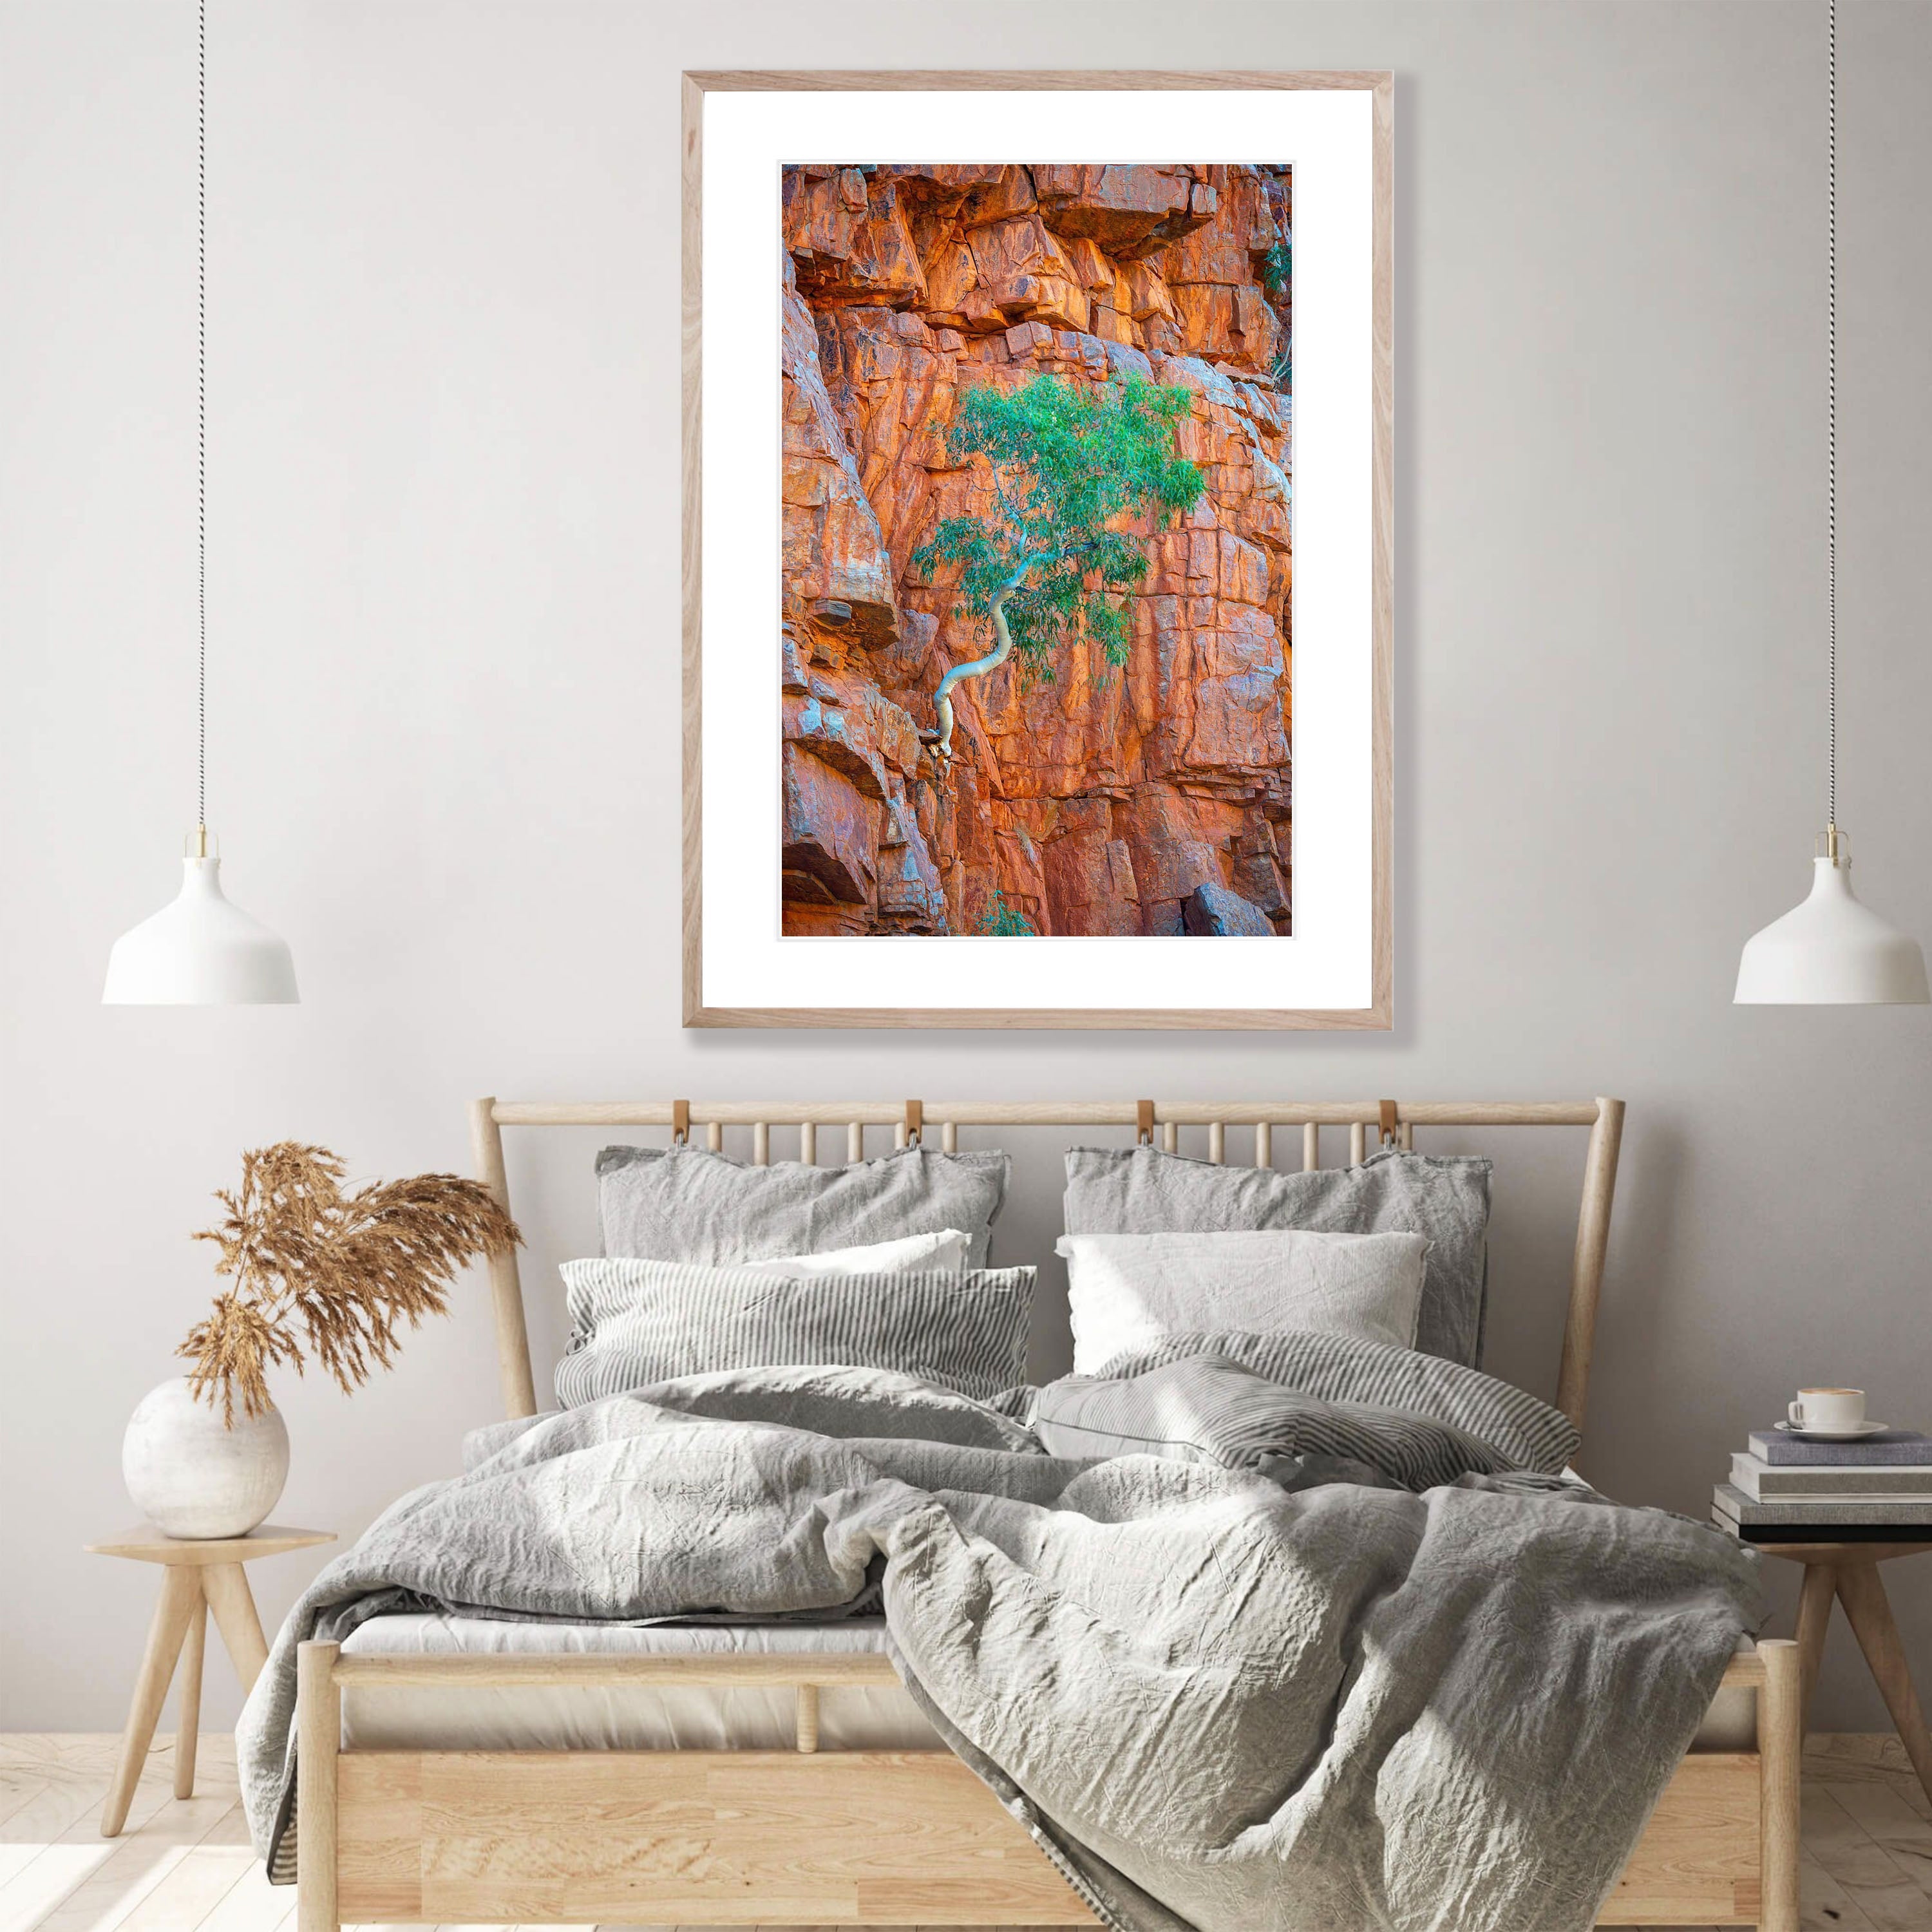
pixel 1128 1290
pixel 943 1252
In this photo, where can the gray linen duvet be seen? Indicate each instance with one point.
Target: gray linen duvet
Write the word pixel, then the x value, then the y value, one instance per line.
pixel 1217 1698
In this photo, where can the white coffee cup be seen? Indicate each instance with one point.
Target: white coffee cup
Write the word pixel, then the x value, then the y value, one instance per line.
pixel 1830 1410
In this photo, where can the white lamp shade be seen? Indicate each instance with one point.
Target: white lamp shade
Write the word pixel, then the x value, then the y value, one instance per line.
pixel 200 951
pixel 1830 951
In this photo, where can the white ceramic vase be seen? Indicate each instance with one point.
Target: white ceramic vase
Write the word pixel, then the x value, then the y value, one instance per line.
pixel 190 1476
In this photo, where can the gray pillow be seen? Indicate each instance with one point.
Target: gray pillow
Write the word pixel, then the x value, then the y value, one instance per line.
pixel 1143 1191
pixel 634 1323
pixel 686 1204
pixel 1369 1391
pixel 1210 1408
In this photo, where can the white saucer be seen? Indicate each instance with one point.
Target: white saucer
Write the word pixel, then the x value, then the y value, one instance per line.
pixel 1854 1434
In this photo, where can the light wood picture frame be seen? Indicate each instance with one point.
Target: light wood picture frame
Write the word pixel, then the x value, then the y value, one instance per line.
pixel 1327 962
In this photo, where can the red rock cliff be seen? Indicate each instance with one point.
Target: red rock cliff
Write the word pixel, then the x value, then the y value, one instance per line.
pixel 1151 800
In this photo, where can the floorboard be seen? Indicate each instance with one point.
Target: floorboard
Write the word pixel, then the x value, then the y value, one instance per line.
pixel 1881 1813
pixel 1823 1905
pixel 1871 1878
pixel 184 1865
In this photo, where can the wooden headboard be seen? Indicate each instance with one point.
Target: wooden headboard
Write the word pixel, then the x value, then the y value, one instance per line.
pixel 1393 1122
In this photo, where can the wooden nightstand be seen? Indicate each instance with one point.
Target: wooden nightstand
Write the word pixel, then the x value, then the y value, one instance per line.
pixel 1846 1570
pixel 199 1577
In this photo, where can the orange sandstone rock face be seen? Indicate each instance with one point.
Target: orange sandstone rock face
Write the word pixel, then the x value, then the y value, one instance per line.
pixel 1152 798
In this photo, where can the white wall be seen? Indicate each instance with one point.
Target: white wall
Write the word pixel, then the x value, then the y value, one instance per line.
pixel 443 507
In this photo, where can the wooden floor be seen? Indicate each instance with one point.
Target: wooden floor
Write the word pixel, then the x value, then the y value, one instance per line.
pixel 184 1866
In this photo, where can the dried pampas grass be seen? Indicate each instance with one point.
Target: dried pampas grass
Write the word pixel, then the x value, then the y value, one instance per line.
pixel 337 1272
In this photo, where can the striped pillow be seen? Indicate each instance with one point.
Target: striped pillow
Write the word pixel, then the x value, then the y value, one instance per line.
pixel 1206 1409
pixel 1524 1432
pixel 636 1322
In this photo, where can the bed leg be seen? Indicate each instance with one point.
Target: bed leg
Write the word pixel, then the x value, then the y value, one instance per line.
pixel 318 1738
pixel 1781 1747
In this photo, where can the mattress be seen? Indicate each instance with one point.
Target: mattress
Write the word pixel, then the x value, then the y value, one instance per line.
pixel 630 1717
pixel 577 1717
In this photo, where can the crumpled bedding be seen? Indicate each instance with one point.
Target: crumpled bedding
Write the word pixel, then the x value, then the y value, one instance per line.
pixel 1217 1697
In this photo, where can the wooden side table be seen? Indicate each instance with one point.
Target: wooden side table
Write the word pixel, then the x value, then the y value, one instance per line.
pixel 1846 1572
pixel 198 1577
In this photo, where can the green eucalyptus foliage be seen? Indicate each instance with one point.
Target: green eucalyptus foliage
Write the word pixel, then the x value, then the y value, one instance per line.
pixel 1068 464
pixel 1001 921
pixel 1277 265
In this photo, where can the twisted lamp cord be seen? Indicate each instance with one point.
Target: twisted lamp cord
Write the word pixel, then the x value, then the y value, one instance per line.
pixel 1832 406
pixel 202 412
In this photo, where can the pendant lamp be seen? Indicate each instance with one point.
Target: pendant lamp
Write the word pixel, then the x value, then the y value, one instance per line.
pixel 200 950
pixel 1831 950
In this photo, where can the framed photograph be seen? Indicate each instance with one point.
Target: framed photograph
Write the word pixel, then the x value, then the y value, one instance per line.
pixel 1038 590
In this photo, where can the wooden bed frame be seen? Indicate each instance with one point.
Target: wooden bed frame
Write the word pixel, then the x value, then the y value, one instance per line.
pixel 750 1837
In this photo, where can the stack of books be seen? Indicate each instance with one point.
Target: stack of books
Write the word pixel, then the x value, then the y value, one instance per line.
pixel 1785 1489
